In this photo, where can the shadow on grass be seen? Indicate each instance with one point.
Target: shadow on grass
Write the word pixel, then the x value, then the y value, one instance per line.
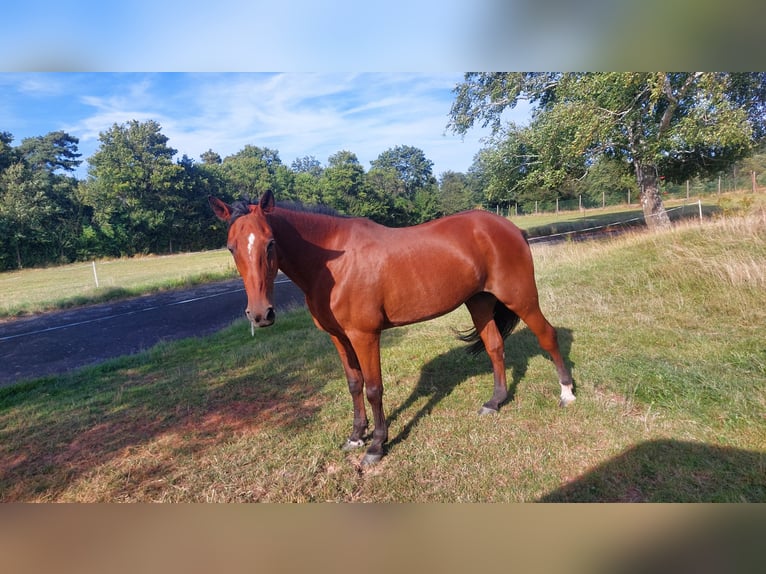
pixel 671 471
pixel 440 376
pixel 149 409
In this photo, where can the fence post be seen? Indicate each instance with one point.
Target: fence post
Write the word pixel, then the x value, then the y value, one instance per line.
pixel 699 204
pixel 755 187
pixel 95 275
pixel 557 206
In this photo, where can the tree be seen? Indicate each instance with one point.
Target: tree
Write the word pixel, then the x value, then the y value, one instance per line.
pixel 342 181
pixel 417 193
pixel 253 170
pixel 306 183
pixel 389 188
pixel 23 214
pixel 307 164
pixel 54 151
pixel 455 193
pixel 210 158
pixel 411 164
pixel 675 125
pixel 609 181
pixel 39 214
pixel 7 152
pixel 132 188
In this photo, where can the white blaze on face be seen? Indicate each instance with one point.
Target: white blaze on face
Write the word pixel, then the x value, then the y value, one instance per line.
pixel 250 241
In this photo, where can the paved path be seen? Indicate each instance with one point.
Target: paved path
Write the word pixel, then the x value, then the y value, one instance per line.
pixel 53 343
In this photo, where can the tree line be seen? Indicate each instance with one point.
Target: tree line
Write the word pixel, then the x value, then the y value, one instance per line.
pixel 137 199
pixel 606 135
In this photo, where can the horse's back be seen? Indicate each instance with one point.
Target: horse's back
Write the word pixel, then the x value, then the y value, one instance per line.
pixel 415 273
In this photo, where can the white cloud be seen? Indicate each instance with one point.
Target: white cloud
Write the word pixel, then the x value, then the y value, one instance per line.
pixel 296 114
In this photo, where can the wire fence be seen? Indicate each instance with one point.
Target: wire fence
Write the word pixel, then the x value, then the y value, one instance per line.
pixel 691 189
pixel 613 227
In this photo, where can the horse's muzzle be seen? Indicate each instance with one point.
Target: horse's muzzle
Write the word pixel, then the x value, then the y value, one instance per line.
pixel 261 319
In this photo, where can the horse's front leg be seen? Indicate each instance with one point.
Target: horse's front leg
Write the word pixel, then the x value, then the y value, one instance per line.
pixel 367 348
pixel 355 387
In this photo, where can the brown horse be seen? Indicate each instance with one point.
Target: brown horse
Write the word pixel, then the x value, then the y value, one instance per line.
pixel 360 278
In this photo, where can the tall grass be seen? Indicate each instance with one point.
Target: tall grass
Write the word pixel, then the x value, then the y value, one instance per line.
pixel 664 334
pixel 692 302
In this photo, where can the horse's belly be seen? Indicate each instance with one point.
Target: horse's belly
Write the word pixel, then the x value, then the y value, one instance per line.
pixel 425 299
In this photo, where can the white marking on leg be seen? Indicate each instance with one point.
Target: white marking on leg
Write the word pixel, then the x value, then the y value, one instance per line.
pixel 566 395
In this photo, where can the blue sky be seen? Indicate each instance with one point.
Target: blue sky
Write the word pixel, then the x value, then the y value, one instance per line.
pixel 298 114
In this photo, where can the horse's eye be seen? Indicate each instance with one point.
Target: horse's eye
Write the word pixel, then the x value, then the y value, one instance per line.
pixel 270 246
pixel 230 248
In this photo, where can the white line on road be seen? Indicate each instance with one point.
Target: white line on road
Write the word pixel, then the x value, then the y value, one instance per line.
pixel 125 314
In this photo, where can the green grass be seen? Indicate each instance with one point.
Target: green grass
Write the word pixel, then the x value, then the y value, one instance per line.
pixel 664 333
pixel 35 290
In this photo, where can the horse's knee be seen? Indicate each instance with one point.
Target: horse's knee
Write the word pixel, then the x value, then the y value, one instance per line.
pixel 355 386
pixel 374 393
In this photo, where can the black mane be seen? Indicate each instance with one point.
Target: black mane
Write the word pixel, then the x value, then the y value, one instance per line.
pixel 242 207
pixel 311 208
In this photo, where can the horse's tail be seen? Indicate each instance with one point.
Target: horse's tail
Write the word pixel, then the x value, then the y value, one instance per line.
pixel 506 321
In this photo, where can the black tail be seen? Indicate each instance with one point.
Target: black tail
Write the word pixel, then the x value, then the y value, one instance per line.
pixel 506 321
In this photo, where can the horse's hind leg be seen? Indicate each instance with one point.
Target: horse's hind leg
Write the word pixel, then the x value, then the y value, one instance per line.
pixel 482 309
pixel 546 336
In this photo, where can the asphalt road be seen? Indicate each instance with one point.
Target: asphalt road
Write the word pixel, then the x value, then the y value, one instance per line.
pixel 57 342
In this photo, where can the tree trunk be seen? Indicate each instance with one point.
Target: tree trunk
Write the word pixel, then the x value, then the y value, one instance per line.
pixel 654 211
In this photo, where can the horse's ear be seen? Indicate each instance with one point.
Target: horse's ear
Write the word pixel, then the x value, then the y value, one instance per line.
pixel 222 210
pixel 267 202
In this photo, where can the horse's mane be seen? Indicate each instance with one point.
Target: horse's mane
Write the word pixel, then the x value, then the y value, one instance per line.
pixel 242 207
pixel 311 208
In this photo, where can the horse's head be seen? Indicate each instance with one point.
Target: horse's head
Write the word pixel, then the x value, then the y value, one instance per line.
pixel 251 242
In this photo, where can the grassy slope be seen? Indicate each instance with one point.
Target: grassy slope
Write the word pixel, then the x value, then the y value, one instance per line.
pixel 664 333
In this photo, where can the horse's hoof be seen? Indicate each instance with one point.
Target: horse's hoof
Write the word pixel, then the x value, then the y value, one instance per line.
pixel 487 411
pixel 370 459
pixel 564 401
pixel 352 444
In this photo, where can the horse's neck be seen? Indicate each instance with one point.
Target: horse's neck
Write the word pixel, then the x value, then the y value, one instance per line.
pixel 303 244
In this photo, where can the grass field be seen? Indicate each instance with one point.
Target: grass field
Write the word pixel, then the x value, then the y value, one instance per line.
pixel 35 290
pixel 664 334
